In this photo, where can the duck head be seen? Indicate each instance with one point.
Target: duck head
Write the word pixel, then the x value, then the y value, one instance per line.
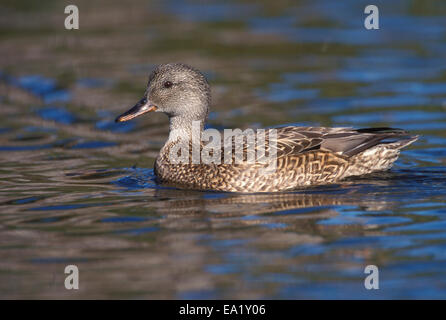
pixel 177 90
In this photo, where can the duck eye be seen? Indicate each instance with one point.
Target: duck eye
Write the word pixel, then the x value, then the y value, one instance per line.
pixel 168 84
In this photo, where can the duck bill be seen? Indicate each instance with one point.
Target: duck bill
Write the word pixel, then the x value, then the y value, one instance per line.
pixel 143 106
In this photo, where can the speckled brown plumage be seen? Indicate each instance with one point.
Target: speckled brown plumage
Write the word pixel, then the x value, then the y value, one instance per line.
pixel 305 155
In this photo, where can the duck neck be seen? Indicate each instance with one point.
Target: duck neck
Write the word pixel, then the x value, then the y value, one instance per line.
pixel 184 129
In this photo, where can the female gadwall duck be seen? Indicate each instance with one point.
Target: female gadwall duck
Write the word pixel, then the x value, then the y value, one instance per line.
pixel 302 156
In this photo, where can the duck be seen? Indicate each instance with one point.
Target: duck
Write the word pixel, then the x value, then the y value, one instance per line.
pixel 303 156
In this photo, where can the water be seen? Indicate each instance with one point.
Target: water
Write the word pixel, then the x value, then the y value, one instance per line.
pixel 76 188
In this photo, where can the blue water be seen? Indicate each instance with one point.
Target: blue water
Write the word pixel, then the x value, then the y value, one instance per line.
pixel 78 188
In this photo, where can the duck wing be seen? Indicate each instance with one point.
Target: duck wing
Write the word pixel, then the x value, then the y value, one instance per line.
pixel 342 141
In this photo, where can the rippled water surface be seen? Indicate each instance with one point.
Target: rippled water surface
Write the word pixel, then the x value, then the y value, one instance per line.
pixel 76 188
